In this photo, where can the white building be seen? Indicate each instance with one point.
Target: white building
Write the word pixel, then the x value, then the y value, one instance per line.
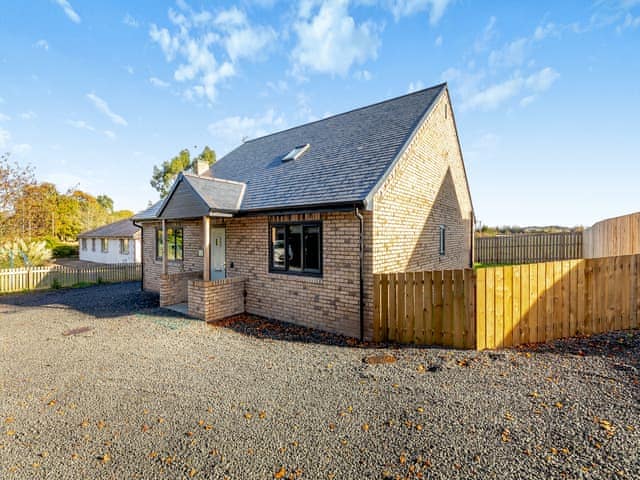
pixel 118 242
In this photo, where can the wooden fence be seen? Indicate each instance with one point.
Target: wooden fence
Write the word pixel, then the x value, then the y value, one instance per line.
pixel 528 248
pixel 508 305
pixel 36 278
pixel 612 237
pixel 426 308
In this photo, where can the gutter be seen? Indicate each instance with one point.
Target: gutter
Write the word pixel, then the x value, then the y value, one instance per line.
pixel 357 213
pixel 141 253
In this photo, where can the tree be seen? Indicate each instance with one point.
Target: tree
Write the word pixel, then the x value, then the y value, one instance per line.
pixel 106 202
pixel 164 175
pixel 13 179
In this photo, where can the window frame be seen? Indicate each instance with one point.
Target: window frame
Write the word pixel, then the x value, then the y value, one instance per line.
pixel 159 240
pixel 442 240
pixel 93 244
pixel 104 245
pixel 302 272
pixel 84 244
pixel 122 243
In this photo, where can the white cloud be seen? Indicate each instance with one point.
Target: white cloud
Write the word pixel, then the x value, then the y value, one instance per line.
pixel 493 96
pixel 200 38
pixel 109 134
pixel 30 115
pixel 402 8
pixel 509 55
pixel 21 148
pixel 129 21
pixel 279 87
pixel 5 138
pixel 486 37
pixel 415 86
pixel 103 107
pixel 81 125
pixel 43 44
pixel 156 82
pixel 330 41
pixel 528 100
pixel 129 69
pixel 629 22
pixel 363 75
pixel 547 30
pixel 438 41
pixel 4 118
pixel 231 131
pixel 68 10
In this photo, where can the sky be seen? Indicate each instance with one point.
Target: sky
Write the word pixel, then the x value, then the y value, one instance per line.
pixel 546 94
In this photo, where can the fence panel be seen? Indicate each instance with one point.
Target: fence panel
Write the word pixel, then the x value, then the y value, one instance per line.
pixel 508 305
pixel 39 278
pixel 528 248
pixel 613 237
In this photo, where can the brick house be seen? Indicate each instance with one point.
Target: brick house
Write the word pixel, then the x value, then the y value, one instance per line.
pixel 292 225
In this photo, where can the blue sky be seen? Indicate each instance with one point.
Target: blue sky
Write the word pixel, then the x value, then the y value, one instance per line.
pixel 546 94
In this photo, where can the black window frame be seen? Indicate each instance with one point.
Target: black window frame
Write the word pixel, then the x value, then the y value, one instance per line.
pixel 442 240
pixel 304 272
pixel 159 241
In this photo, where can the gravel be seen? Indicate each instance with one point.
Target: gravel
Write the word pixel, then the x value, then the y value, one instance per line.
pixel 100 383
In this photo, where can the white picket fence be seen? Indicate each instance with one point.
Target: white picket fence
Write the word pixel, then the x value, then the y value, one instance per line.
pixel 39 278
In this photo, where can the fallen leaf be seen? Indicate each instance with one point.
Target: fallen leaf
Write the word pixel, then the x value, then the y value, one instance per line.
pixel 193 472
pixel 280 473
pixel 105 458
pixel 101 424
pixel 262 414
pixel 365 427
pixel 248 416
pixel 9 420
pixel 145 428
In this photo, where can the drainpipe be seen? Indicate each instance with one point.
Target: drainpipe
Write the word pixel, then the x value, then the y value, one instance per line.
pixel 141 253
pixel 361 219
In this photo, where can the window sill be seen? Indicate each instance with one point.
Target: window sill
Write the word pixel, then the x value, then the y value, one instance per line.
pixel 297 277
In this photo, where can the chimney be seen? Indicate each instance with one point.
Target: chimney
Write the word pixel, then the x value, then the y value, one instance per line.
pixel 200 167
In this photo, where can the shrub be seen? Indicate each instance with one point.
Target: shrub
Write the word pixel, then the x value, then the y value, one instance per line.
pixel 55 284
pixel 63 250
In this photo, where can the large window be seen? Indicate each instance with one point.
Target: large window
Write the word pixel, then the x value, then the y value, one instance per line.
pixel 174 243
pixel 296 248
pixel 124 246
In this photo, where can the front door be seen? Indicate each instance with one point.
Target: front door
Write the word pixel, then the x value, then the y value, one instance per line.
pixel 218 260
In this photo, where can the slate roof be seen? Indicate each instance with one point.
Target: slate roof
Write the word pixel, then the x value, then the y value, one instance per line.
pixel 349 154
pixel 219 194
pixel 120 229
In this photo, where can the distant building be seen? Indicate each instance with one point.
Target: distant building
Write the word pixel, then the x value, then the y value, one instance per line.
pixel 117 242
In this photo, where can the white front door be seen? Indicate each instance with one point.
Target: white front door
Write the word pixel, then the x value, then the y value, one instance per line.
pixel 218 260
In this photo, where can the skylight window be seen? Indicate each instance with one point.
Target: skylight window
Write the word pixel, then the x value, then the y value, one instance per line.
pixel 296 153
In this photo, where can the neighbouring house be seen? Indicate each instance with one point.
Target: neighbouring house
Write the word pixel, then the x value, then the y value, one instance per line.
pixel 292 225
pixel 118 242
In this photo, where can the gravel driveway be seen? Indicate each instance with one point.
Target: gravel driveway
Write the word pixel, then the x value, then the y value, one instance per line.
pixel 100 383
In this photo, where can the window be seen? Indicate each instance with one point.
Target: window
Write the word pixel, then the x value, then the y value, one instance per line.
pixel 104 245
pixel 93 244
pixel 124 246
pixel 296 248
pixel 443 231
pixel 174 244
pixel 84 244
pixel 296 153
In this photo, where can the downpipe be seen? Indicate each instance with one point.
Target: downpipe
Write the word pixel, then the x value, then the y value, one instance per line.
pixel 361 219
pixel 141 253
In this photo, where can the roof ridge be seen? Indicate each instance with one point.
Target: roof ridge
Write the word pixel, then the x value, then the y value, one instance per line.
pixel 440 85
pixel 214 179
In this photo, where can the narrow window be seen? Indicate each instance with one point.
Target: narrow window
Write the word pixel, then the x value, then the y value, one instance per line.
pixel 104 245
pixel 278 260
pixel 296 248
pixel 93 244
pixel 124 246
pixel 84 244
pixel 443 232
pixel 175 248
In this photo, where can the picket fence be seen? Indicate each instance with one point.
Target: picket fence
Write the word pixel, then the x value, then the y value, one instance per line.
pixel 508 305
pixel 37 278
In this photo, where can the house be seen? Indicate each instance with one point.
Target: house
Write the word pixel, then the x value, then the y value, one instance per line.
pixel 292 225
pixel 118 242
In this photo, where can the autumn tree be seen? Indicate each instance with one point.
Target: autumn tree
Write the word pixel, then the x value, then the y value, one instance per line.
pixel 164 175
pixel 13 179
pixel 106 202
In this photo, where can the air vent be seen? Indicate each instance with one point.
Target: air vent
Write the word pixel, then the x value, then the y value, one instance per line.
pixel 296 153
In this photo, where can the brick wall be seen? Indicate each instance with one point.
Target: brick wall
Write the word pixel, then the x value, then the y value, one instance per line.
pixel 427 188
pixel 192 244
pixel 329 303
pixel 218 299
pixel 173 287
